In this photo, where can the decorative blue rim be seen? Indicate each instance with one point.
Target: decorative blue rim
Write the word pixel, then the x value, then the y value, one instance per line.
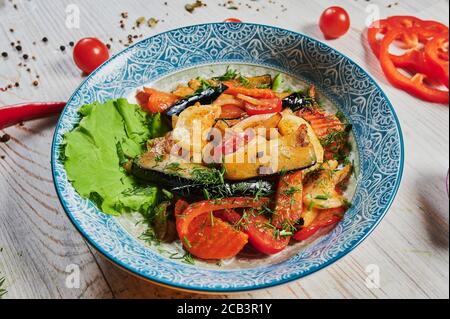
pixel 279 40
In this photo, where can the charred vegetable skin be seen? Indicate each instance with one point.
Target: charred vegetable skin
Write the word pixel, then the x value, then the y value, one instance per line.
pixel 298 101
pixel 203 97
pixel 188 187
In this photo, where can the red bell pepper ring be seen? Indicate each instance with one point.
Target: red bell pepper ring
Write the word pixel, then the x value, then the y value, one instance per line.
pixel 414 85
pixel 437 57
pixel 261 235
pixel 326 218
pixel 409 40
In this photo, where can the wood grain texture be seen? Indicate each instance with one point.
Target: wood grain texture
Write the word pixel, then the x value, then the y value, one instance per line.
pixel 410 246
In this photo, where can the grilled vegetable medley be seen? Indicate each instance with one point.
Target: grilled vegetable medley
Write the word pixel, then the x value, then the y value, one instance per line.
pixel 223 164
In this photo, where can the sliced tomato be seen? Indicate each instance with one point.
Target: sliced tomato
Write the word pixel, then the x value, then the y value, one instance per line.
pixel 325 218
pixel 264 106
pixel 233 89
pixel 207 237
pixel 289 201
pixel 158 101
pixel 261 235
pixel 230 111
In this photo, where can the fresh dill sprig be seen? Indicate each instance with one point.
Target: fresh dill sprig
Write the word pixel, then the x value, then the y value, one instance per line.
pixel 230 74
pixel 149 237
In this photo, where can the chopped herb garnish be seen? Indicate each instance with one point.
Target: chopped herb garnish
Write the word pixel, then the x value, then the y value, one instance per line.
pixel 229 75
pixel 211 217
pixel 187 242
pixel 173 167
pixel 293 190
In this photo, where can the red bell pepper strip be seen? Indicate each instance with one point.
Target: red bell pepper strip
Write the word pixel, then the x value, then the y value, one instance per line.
pixel 289 201
pixel 325 218
pixel 234 89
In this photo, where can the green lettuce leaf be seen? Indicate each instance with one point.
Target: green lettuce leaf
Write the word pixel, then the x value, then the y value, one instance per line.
pixel 108 135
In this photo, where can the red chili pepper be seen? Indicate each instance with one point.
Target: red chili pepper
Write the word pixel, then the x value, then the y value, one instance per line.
pixel 416 84
pixel 14 114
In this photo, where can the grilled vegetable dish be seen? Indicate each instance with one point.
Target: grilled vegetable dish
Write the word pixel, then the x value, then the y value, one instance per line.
pixel 221 164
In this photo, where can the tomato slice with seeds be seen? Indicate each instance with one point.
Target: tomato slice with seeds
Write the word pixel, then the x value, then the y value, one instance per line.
pixel 261 235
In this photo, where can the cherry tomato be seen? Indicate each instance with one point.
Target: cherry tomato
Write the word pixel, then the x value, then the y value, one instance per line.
pixel 334 22
pixel 89 54
pixel 233 20
pixel 265 106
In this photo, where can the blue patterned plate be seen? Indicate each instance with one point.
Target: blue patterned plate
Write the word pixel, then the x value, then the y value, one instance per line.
pixel 176 55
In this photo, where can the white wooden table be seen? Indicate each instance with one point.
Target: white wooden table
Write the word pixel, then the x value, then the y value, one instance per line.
pixel 38 242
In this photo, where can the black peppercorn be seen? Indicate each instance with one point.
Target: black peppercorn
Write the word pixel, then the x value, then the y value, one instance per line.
pixel 71 43
pixel 19 48
pixel 4 54
pixel 62 48
pixel 5 138
pixel 25 56
pixel 44 39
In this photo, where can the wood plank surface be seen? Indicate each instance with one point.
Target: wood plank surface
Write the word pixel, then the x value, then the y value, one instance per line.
pixel 37 241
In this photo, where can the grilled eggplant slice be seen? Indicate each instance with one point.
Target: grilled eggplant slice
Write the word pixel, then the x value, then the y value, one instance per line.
pixel 204 97
pixel 188 179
